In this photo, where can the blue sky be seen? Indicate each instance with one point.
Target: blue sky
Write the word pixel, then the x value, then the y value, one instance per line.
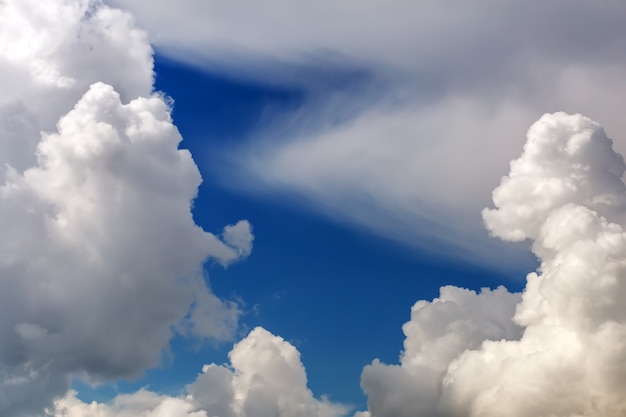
pixel 312 209
pixel 329 288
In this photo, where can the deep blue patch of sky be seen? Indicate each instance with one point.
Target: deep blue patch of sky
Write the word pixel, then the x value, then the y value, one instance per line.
pixel 340 295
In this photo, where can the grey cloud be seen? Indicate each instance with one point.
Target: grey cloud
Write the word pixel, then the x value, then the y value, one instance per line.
pixel 101 260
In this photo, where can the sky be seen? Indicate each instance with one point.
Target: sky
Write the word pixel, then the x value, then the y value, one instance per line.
pixel 312 209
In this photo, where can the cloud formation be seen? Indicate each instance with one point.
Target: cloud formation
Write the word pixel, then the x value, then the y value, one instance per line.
pixel 101 260
pixel 438 332
pixel 560 350
pixel 412 150
pixel 265 378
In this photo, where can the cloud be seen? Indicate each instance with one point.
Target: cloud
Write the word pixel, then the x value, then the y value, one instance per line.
pixel 412 149
pixel 408 174
pixel 438 332
pixel 265 378
pixel 101 260
pixel 559 351
pixel 393 34
pixel 143 402
pixel 239 237
pixel 566 160
pixel 419 173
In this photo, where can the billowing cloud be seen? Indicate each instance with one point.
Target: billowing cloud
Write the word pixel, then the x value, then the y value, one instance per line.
pixel 142 403
pixel 560 350
pixel 101 260
pixel 438 332
pixel 415 142
pixel 265 378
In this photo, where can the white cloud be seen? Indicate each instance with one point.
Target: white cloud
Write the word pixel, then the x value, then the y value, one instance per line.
pixel 100 257
pixel 49 55
pixel 420 173
pixel 265 378
pixel 566 194
pixel 566 160
pixel 409 174
pixel 142 403
pixel 101 260
pixel 446 91
pixel 239 237
pixel 438 332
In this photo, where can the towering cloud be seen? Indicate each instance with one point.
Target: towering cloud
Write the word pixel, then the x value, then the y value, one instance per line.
pixel 100 259
pixel 566 194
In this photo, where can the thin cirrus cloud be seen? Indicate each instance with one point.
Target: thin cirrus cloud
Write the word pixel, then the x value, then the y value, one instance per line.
pixel 419 143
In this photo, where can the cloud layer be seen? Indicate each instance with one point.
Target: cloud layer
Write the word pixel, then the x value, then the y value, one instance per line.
pixel 560 350
pixel 101 260
pixel 412 149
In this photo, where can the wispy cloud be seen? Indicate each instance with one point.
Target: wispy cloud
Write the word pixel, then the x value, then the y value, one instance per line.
pixel 416 146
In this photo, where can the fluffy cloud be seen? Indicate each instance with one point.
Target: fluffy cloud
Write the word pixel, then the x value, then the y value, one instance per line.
pixel 50 54
pixel 265 378
pixel 142 403
pixel 100 257
pixel 443 95
pixel 560 350
pixel 437 333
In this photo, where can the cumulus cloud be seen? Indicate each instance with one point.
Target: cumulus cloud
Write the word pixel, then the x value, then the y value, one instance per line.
pixel 141 403
pixel 100 258
pixel 557 352
pixel 265 378
pixel 50 54
pixel 437 333
pixel 444 92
